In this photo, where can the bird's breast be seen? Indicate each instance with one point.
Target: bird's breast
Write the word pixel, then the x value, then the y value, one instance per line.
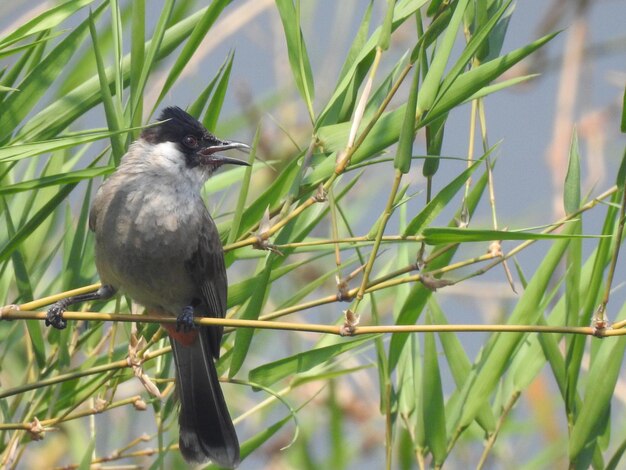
pixel 143 241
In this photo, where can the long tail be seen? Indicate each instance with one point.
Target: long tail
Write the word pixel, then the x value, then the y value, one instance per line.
pixel 206 429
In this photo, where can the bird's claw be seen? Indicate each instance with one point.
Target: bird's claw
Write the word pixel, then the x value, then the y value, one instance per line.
pixel 185 320
pixel 54 317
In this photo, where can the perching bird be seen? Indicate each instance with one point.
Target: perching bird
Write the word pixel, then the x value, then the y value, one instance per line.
pixel 156 242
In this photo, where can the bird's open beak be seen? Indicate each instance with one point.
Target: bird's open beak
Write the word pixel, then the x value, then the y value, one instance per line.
pixel 211 153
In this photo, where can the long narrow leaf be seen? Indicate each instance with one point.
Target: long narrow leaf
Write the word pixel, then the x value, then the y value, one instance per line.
pixel 444 235
pixel 199 32
pixel 18 104
pixel 272 372
pixel 49 19
pixel 114 119
pixel 296 49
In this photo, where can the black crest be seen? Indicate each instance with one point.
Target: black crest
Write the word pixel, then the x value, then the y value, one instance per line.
pixel 177 125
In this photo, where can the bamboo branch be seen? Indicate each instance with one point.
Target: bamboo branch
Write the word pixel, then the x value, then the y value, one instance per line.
pixel 12 314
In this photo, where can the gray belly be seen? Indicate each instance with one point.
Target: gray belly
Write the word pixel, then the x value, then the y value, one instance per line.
pixel 142 248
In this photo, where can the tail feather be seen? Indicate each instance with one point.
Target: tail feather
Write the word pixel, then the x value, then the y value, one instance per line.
pixel 206 429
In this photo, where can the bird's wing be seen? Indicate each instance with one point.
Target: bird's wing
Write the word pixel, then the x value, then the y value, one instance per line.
pixel 208 272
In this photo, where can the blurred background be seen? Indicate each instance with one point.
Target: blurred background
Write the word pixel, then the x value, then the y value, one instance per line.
pixel 580 84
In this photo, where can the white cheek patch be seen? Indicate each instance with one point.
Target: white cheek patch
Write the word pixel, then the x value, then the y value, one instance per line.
pixel 167 156
pixel 171 161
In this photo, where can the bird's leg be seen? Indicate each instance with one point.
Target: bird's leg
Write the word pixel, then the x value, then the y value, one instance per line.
pixel 55 312
pixel 185 319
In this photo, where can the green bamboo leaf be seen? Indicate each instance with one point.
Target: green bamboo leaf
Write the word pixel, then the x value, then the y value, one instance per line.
pixel 589 301
pixel 24 63
pixel 226 179
pixel 15 152
pixel 459 364
pixel 326 375
pixel 621 173
pixel 434 8
pixel 198 34
pixel 111 111
pixel 486 375
pixel 251 311
pixel 309 288
pixel 196 108
pixel 336 432
pixel 294 232
pixel 378 97
pixel 271 196
pixel 623 125
pixel 402 162
pixel 387 401
pixel 612 464
pixel 385 32
pixel 440 201
pixel 445 235
pixel 573 285
pixel 500 85
pixel 398 201
pixel 434 30
pixel 430 86
pixel 551 352
pixel 137 56
pixel 530 359
pixel 481 16
pixel 116 29
pixel 49 19
pixel 434 142
pixel 496 37
pixel 386 130
pixel 25 290
pixel 433 403
pixel 154 49
pixel 296 50
pixel 45 37
pixel 85 461
pixel 215 106
pixel 410 396
pixel 40 42
pixel 594 288
pixel 56 180
pixel 272 372
pixel 252 444
pixel 403 10
pixel 476 42
pixel 243 192
pixel 472 81
pixel 603 376
pixel 358 43
pixel 22 279
pixel 540 347
pixel 41 215
pixel 571 190
pixel 73 273
pixel 58 115
pixel 343 108
pixel 415 302
pixel 17 105
pixel 38 54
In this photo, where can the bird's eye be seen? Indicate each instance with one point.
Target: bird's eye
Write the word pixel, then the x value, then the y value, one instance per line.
pixel 190 141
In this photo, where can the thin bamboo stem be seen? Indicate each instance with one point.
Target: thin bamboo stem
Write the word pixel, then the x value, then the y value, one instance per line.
pixel 293 326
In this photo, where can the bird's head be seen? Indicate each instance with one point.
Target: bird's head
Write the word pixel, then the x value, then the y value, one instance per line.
pixel 181 145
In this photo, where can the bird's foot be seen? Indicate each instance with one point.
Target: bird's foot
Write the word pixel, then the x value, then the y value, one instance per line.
pixel 55 318
pixel 185 320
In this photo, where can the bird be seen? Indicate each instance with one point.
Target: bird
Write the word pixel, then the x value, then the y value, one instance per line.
pixel 156 242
